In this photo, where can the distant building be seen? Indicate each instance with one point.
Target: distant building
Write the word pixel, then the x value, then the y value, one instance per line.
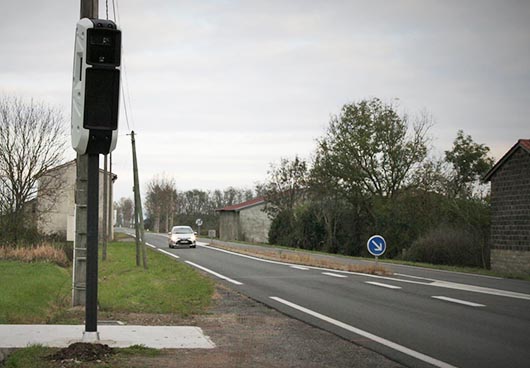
pixel 510 210
pixel 55 207
pixel 245 222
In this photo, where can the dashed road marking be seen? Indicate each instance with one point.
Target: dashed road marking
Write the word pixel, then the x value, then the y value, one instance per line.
pixel 383 285
pixel 334 274
pixel 458 301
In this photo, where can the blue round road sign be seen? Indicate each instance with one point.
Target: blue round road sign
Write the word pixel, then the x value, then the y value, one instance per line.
pixel 376 245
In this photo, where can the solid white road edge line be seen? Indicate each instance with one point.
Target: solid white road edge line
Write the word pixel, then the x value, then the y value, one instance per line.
pixel 382 285
pixel 168 253
pixel 368 335
pixel 436 283
pixel 458 301
pixel 333 274
pixel 214 273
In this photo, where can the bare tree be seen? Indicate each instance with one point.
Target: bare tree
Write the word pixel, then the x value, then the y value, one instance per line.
pixel 125 209
pixel 32 141
pixel 160 201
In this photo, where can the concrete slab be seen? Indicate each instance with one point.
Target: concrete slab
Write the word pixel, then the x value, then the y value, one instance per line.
pixel 158 337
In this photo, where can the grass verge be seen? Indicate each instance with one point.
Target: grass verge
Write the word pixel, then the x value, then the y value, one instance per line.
pixel 40 292
pixel 166 286
pixel 33 292
pixel 37 354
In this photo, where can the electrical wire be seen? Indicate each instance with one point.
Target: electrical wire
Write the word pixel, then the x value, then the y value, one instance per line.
pixel 125 97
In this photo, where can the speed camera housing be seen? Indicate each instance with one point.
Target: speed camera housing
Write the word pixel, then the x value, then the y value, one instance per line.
pixel 96 86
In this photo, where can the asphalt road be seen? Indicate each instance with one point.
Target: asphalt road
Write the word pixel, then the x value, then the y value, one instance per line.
pixel 417 317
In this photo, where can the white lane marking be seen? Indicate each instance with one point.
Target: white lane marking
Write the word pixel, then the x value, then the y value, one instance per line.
pixel 150 245
pixel 214 273
pixel 333 274
pixel 368 335
pixel 300 268
pixel 383 285
pixel 436 283
pixel 168 253
pixel 458 301
pixel 480 289
pixel 247 256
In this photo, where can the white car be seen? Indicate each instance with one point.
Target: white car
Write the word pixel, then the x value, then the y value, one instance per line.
pixel 182 235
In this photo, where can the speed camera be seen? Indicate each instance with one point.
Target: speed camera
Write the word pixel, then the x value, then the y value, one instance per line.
pixel 96 86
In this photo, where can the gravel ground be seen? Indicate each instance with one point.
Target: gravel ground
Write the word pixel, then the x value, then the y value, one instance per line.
pixel 250 334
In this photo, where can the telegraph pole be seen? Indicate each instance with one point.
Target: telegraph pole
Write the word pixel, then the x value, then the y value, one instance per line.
pixel 138 213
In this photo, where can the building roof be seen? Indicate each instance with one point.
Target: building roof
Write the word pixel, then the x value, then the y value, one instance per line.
pixel 241 206
pixel 521 143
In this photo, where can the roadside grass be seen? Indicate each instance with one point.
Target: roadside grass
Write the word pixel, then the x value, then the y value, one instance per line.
pixel 308 259
pixel 40 292
pixel 166 286
pixel 33 292
pixel 274 252
pixel 30 356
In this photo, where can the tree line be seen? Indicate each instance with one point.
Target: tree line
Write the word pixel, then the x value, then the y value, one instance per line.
pixel 167 206
pixel 374 172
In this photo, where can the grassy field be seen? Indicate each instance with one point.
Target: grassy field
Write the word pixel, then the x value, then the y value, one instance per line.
pixel 40 292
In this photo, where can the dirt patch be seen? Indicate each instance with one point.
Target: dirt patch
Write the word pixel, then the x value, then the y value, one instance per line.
pixel 83 352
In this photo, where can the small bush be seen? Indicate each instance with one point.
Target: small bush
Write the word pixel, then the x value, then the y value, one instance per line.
pixel 448 245
pixel 41 253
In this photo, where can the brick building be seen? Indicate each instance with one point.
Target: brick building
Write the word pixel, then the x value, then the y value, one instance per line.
pixel 245 222
pixel 510 210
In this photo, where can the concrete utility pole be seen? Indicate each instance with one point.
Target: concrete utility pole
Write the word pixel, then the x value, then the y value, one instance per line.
pixel 89 9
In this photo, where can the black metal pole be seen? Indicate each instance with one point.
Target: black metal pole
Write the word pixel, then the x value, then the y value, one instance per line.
pixel 91 319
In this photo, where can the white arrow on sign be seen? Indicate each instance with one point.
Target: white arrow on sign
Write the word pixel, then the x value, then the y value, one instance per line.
pixel 378 246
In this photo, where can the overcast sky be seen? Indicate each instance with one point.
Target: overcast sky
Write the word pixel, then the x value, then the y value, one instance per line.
pixel 220 89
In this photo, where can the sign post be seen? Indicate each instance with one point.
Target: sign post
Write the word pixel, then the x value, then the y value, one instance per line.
pixel 376 246
pixel 199 224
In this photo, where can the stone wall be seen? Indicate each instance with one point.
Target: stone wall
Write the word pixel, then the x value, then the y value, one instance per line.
pixel 510 214
pixel 510 261
pixel 229 226
pixel 254 224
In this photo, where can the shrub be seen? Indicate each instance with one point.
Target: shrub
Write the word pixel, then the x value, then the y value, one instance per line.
pixel 448 245
pixel 40 253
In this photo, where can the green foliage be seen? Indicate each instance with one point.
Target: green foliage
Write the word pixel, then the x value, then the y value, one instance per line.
pixel 372 175
pixel 470 161
pixel 281 230
pixel 368 149
pixel 448 245
pixel 285 185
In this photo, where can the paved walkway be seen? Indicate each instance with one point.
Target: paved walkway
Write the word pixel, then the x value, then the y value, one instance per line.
pixel 158 337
